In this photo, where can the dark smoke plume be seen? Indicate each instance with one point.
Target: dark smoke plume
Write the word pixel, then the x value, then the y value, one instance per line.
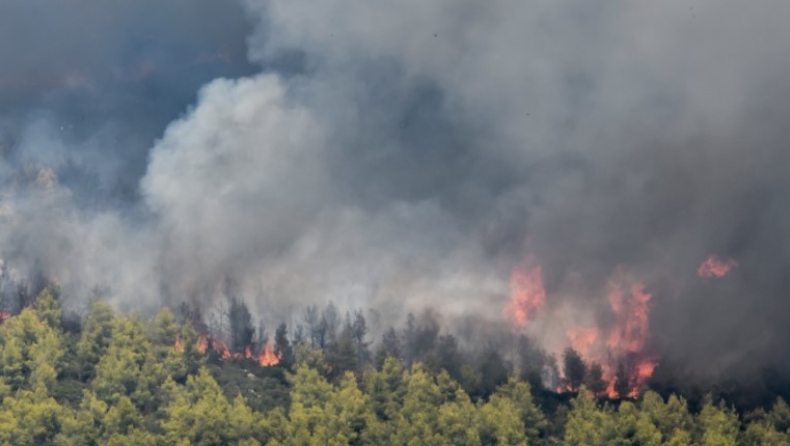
pixel 407 155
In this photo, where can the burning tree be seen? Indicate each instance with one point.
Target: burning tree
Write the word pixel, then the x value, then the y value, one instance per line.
pixel 623 341
pixel 528 294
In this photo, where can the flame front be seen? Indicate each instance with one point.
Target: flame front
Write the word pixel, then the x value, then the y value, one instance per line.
pixel 527 293
pixel 265 358
pixel 715 267
pixel 620 345
pixel 625 340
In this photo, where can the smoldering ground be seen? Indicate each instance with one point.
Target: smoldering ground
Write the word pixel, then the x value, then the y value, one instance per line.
pixel 409 155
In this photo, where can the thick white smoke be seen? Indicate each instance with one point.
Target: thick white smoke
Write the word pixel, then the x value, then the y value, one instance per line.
pixel 242 187
pixel 417 148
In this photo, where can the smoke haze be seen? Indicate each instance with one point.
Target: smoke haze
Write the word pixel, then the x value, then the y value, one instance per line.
pixel 407 155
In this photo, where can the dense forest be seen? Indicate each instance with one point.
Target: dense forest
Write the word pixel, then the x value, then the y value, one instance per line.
pixel 117 379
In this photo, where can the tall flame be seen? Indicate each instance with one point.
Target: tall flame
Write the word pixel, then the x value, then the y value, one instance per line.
pixel 583 340
pixel 267 357
pixel 628 337
pixel 624 342
pixel 715 267
pixel 527 293
pixel 620 345
pixel 202 344
pixel 632 327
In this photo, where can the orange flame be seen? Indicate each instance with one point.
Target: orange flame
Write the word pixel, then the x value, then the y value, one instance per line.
pixel 637 375
pixel 221 348
pixel 629 335
pixel 527 293
pixel 267 357
pixel 632 327
pixel 202 344
pixel 715 267
pixel 4 316
pixel 646 368
pixel 624 342
pixel 584 339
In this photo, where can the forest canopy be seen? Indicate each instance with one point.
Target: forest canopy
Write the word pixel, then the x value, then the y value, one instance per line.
pixel 118 379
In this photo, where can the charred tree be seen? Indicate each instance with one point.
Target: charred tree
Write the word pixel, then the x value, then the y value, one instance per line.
pixel 574 369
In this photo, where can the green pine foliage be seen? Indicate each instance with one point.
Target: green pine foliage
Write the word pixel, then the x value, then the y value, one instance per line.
pixel 127 380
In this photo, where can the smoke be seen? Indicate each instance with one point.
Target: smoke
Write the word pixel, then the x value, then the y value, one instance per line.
pixel 105 78
pixel 399 156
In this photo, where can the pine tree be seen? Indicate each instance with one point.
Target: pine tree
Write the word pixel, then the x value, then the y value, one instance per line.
pixel 587 424
pixel 390 347
pixel 532 419
pixel 595 381
pixel 574 369
pixel 719 425
pixel 241 327
pixel 359 330
pixel 622 382
pixel 282 347
pixel 95 338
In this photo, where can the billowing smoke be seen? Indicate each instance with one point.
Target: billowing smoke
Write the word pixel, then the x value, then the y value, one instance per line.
pixel 86 86
pixel 407 155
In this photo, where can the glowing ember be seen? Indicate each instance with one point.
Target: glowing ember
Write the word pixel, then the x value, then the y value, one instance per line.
pixel 715 267
pixel 527 293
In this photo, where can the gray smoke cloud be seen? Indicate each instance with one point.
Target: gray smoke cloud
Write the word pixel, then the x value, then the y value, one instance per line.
pixel 103 79
pixel 407 155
